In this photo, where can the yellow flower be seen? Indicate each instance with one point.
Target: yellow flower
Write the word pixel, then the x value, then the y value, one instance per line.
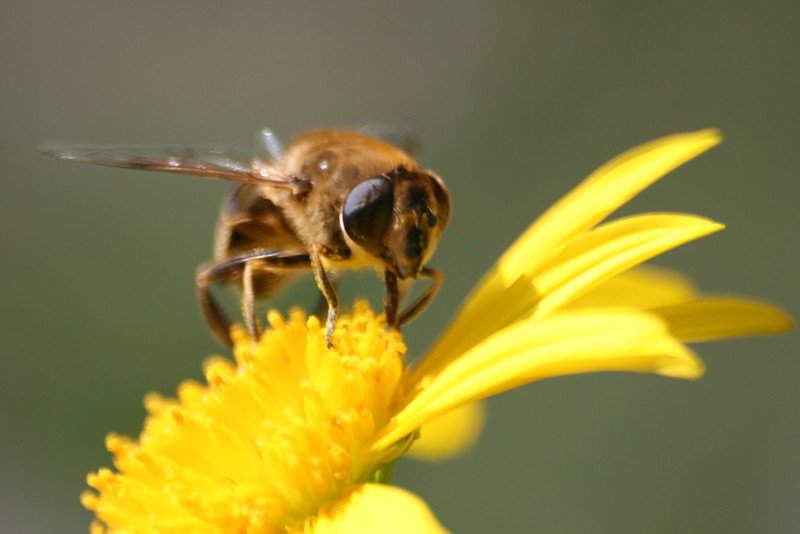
pixel 297 437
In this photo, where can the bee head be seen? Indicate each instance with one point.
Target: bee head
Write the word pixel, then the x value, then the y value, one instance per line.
pixel 398 217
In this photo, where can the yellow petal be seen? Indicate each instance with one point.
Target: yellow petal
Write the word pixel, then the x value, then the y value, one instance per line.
pixel 610 249
pixel 562 344
pixel 372 508
pixel 583 263
pixel 451 434
pixel 605 190
pixel 709 318
pixel 642 287
pixel 518 300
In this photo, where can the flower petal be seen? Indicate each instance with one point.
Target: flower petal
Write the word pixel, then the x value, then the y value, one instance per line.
pixel 374 508
pixel 642 287
pixel 581 264
pixel 451 434
pixel 709 318
pixel 562 344
pixel 605 190
pixel 610 249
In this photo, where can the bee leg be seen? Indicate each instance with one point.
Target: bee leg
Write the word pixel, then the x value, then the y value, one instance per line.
pixel 217 321
pixel 391 298
pixel 321 309
pixel 328 291
pixel 413 310
pixel 249 302
pixel 233 268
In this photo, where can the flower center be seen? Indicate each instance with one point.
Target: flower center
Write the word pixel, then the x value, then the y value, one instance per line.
pixel 318 408
pixel 269 441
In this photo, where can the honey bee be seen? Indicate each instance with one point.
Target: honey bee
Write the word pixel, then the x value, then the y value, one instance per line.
pixel 334 200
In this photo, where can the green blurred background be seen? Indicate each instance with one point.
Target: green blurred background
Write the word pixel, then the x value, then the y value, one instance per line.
pixel 515 103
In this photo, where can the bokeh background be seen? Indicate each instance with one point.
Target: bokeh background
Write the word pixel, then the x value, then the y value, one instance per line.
pixel 514 103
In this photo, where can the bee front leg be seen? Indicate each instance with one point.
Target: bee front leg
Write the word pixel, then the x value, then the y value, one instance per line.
pixel 326 286
pixel 321 308
pixel 391 298
pixel 414 309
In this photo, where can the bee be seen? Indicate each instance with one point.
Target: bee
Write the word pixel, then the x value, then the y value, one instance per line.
pixel 333 200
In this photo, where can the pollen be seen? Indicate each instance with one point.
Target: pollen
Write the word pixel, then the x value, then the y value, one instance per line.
pixel 274 436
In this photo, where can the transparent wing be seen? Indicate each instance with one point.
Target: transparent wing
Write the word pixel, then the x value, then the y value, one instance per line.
pixel 266 146
pixel 398 133
pixel 208 161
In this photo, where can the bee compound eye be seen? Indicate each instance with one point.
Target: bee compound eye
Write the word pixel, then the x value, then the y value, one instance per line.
pixel 367 212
